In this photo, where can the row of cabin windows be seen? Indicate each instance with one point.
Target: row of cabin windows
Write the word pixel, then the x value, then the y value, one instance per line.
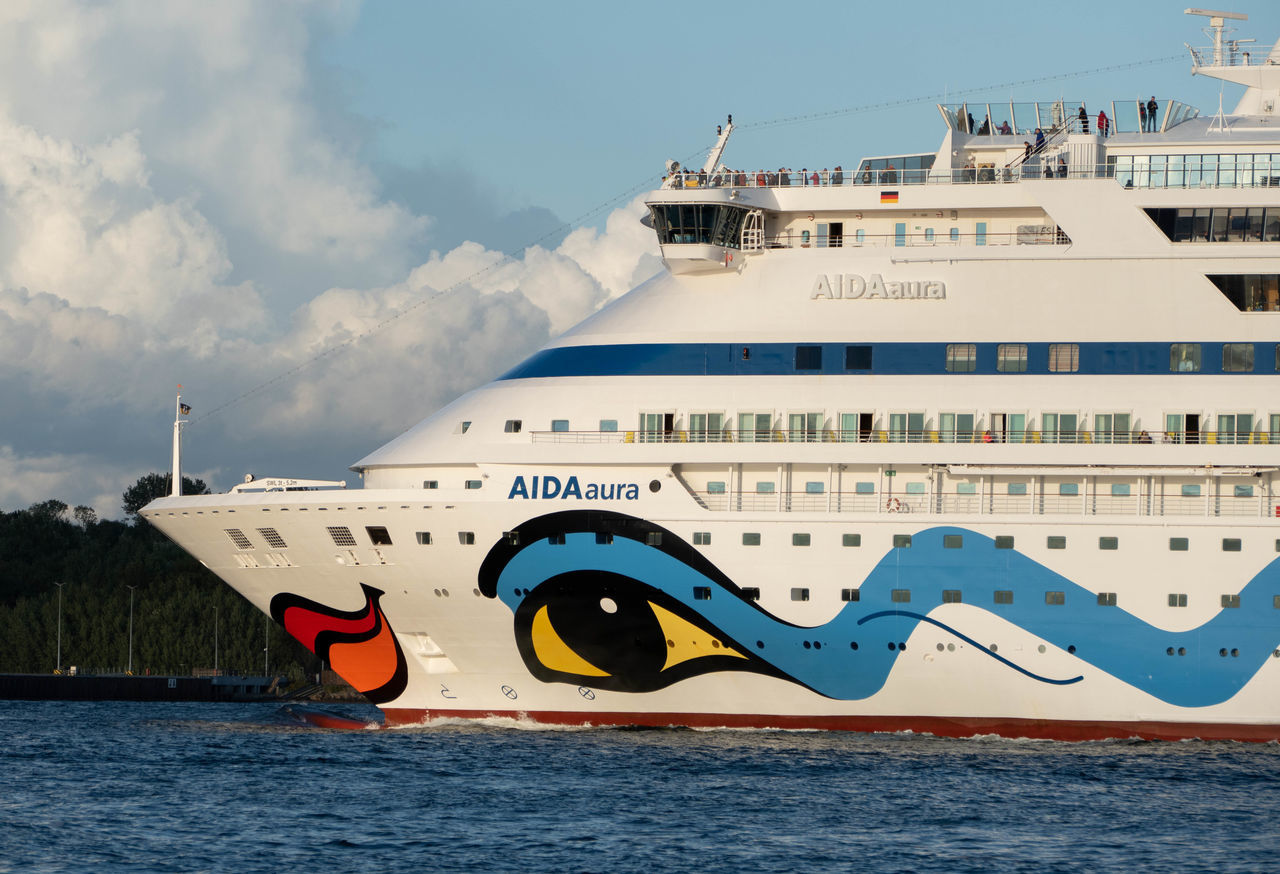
pixel 379 536
pixel 1000 596
pixel 1118 490
pixel 1065 357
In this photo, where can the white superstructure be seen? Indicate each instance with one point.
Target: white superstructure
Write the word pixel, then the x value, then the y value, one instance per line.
pixel 973 440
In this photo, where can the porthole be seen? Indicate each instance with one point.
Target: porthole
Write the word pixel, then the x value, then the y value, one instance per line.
pixel 654 485
pixel 1182 650
pixel 817 644
pixel 902 647
pixel 892 645
pixel 941 647
pixel 994 648
pixel 759 644
pixel 1169 651
pixel 951 647
pixel 853 645
pixel 1040 648
pixel 1072 649
pixel 1223 652
pixel 1235 653
pixel 807 645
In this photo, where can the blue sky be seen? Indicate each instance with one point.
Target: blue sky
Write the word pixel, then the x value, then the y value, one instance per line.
pixel 214 194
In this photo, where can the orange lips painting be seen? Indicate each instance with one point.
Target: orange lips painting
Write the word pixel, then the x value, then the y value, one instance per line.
pixel 358 644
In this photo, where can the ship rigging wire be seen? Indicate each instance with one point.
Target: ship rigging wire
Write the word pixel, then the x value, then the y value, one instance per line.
pixel 509 257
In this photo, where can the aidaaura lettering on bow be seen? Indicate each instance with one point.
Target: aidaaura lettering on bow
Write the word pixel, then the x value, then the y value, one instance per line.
pixel 571 488
pixel 851 286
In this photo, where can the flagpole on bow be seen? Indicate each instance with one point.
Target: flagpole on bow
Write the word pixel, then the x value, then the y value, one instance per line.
pixel 180 410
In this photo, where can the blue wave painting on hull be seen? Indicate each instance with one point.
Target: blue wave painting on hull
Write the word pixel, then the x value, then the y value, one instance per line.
pixel 616 602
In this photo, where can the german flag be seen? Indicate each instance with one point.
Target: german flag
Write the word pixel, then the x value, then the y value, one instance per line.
pixel 888 197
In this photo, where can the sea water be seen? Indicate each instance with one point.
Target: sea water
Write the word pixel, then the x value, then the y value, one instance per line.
pixel 90 786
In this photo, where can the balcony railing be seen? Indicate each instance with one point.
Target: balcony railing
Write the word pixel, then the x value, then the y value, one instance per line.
pixel 973 504
pixel 881 435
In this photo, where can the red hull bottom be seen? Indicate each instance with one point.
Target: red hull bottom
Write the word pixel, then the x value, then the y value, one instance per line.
pixel 942 726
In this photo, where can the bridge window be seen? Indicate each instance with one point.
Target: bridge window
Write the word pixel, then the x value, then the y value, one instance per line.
pixel 715 224
pixel 1237 357
pixel 808 358
pixel 857 357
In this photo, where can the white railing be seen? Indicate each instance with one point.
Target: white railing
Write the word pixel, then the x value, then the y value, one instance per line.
pixel 883 435
pixel 972 504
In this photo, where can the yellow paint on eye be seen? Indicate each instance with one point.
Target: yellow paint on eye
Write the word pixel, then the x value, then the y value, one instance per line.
pixel 555 653
pixel 687 641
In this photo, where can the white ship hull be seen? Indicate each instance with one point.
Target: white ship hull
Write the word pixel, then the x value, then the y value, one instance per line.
pixel 966 450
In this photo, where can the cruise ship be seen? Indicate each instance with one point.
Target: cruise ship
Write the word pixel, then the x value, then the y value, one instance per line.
pixel 975 440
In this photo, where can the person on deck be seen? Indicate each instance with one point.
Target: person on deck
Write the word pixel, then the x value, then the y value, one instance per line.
pixel 1153 109
pixel 1104 123
pixel 1084 120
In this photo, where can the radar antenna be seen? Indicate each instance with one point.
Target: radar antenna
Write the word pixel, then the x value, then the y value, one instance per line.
pixel 1217 27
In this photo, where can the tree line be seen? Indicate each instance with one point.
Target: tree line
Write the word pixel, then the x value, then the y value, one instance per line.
pixel 178 604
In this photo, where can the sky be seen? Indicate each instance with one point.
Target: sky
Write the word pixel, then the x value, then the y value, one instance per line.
pixel 328 219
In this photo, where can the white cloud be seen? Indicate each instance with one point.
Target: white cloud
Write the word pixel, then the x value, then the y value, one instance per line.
pixel 136 141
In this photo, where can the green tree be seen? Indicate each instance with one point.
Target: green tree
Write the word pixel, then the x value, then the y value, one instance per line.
pixel 152 486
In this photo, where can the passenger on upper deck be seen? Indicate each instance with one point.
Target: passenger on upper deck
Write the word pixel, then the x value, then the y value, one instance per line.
pixel 1142 114
pixel 1104 123
pixel 1084 120
pixel 1153 109
pixel 1039 139
pixel 837 177
pixel 986 126
pixel 1005 129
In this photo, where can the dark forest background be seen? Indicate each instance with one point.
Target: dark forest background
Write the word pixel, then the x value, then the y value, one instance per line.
pixel 174 600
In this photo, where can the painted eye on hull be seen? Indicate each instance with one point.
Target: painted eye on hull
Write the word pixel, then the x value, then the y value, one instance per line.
pixel 614 632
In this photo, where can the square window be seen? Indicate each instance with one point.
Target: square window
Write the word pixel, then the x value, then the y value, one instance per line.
pixel 1184 357
pixel 702 538
pixel 1017 488
pixel 952 541
pixel 966 488
pixel 431 483
pixel 467 538
pixel 609 425
pixel 857 357
pixel 1230 600
pixel 1119 490
pixel 1011 358
pixel 1106 599
pixel 915 488
pixel 1242 491
pixel 1003 596
pixel 900 596
pixel 560 425
pixel 555 539
pixel 764 488
pixel 799 594
pixel 1055 599
pixel 702 593
pixel 464 427
pixel 512 426
pixel 715 488
pixel 901 541
pixel 378 535
pixel 424 538
pixel 1108 543
pixel 1057 542
pixel 808 358
pixel 855 595
pixel 814 488
pixel 1064 357
pixel 604 538
pixel 864 488
pixel 1178 544
pixel 799 539
pixel 1230 544
pixel 474 483
pixel 951 596
pixel 1004 541
pixel 1069 489
pixel 1190 491
pixel 750 538
pixel 751 593
pixel 1237 357
pixel 856 540
pixel 962 358
pixel 1177 600
pixel 511 537
pixel 653 538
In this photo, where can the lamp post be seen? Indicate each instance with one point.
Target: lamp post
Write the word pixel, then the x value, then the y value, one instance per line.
pixel 58 669
pixel 129 670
